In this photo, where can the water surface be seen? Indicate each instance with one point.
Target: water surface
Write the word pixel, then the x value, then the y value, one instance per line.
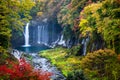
pixel 32 49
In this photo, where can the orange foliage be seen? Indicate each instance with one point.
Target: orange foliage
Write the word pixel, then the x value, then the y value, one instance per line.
pixel 118 57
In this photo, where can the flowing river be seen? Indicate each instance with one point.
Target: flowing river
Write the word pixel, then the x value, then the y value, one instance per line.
pixel 40 63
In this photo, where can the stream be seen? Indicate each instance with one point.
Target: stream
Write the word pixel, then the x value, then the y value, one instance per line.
pixel 40 63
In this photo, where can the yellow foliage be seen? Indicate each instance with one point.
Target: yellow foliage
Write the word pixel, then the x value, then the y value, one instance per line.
pixel 101 62
pixel 39 13
pixel 88 15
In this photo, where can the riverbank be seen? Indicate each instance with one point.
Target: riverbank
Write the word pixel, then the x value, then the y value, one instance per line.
pixel 44 65
pixel 61 58
pixel 40 63
pixel 13 66
pixel 89 67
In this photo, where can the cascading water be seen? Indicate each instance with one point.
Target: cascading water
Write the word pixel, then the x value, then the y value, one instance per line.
pixel 42 34
pixel 39 35
pixel 26 35
pixel 61 41
pixel 84 43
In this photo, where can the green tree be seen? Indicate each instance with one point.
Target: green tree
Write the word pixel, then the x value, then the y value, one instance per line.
pixel 88 18
pixel 13 15
pixel 102 19
pixel 109 23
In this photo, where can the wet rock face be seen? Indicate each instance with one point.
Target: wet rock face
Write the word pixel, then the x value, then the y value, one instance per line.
pixel 44 31
pixel 40 63
pixel 41 31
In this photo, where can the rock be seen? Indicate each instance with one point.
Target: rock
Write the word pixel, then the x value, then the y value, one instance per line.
pixel 40 63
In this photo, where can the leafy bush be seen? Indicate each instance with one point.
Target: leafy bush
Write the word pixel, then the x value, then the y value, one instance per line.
pixel 23 71
pixel 76 75
pixel 75 50
pixel 63 62
pixel 101 65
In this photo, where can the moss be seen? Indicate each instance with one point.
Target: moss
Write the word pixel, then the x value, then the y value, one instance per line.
pixel 58 57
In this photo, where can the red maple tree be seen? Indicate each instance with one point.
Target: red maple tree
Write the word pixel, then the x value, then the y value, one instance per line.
pixel 23 71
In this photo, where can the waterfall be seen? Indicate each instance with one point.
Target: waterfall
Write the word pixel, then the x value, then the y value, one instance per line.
pixel 39 35
pixel 84 43
pixel 26 35
pixel 42 34
pixel 61 41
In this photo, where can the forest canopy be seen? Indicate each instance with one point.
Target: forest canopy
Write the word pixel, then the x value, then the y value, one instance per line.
pixel 85 18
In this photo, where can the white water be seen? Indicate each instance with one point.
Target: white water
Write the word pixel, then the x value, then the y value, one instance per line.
pixel 61 41
pixel 16 53
pixel 42 34
pixel 44 65
pixel 40 64
pixel 26 35
pixel 84 42
pixel 39 34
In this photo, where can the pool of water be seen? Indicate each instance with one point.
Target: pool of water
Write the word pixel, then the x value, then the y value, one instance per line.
pixel 32 49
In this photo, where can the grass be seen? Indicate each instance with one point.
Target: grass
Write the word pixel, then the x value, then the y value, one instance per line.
pixel 64 62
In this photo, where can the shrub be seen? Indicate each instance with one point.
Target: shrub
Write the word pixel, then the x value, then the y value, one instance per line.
pixel 75 50
pixel 23 71
pixel 101 65
pixel 76 75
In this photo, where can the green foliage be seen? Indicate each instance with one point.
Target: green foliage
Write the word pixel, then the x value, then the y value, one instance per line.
pixel 49 8
pixel 76 75
pixel 102 18
pixel 60 58
pixel 68 15
pixel 109 23
pixel 67 32
pixel 5 35
pixel 88 19
pixel 35 9
pixel 4 56
pixel 64 17
pixel 75 50
pixel 101 65
pixel 13 15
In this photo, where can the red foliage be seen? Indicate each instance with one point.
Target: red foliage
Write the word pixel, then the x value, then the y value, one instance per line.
pixel 23 71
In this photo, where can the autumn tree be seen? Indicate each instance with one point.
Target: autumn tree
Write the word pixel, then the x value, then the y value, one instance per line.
pixel 109 23
pixel 101 65
pixel 13 15
pixel 101 19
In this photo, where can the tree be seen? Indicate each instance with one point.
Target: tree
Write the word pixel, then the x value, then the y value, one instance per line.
pixel 101 65
pixel 13 15
pixel 102 19
pixel 109 23
pixel 88 18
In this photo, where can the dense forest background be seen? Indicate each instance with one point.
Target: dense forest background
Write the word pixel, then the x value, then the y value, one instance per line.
pixel 94 19
pixel 97 21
